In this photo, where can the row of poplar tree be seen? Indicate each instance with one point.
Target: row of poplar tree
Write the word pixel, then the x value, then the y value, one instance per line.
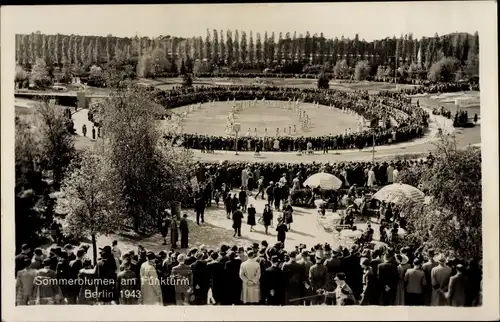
pixel 235 48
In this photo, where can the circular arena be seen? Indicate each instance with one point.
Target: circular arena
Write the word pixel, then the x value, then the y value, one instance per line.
pixel 209 118
pixel 257 117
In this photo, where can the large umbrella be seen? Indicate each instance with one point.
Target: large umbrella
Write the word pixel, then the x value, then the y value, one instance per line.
pixel 399 193
pixel 323 180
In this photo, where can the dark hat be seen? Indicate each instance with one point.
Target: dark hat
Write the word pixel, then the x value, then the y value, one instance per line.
pixel 255 245
pixel 150 255
pixel 340 276
pixel 87 262
pixel 68 246
pixel 25 247
pixel 184 216
pixel 106 249
pixel 264 243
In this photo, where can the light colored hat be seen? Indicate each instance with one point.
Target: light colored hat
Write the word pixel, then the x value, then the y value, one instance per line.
pixel 440 258
pixel 404 259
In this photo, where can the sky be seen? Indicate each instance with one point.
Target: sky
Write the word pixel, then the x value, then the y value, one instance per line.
pixel 369 20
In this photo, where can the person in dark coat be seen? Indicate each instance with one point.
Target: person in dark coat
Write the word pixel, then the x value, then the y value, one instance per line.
pixel 237 218
pixel 84 130
pixel 288 216
pixel 267 217
pixel 233 280
pixel 228 205
pixel 184 230
pixel 201 282
pixel 200 208
pixel 368 295
pixel 293 274
pixel 174 233
pixel 273 284
pixel 164 228
pixel 74 268
pixel 270 193
pixel 282 229
pixel 127 288
pixel 22 259
pixel 251 216
pixel 216 277
pixel 388 277
pixel 277 196
pixel 242 197
pixel 63 274
pixel 106 271
pixel 93 133
pixel 458 287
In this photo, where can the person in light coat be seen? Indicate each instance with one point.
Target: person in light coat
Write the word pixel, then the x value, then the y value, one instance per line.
pixel 150 284
pixel 440 278
pixel 390 174
pixel 371 178
pixel 244 178
pixel 250 275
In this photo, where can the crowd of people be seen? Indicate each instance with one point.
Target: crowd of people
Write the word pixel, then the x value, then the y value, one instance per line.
pixel 260 274
pixel 411 121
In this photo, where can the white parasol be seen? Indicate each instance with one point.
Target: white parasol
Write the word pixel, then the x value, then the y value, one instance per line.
pixel 400 193
pixel 323 180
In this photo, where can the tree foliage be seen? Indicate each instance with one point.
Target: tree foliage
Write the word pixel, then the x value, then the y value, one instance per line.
pixel 39 73
pixel 56 142
pixel 444 70
pixel 362 70
pixel 453 218
pixel 323 81
pixel 341 69
pixel 88 198
pixel 148 170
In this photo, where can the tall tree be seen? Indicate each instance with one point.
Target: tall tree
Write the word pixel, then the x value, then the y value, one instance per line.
pixel 243 47
pixel 97 51
pixel 236 46
pixel 56 140
pixel 215 47
pixel 229 47
pixel 266 56
pixel 279 48
pixel 222 47
pixel 88 198
pixel 258 48
pixel 251 49
pixel 207 48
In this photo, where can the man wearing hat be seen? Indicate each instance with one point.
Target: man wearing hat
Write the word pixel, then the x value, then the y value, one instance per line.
pixel 127 287
pixel 305 265
pixel 415 283
pixel 201 282
pixel 273 284
pixel 233 281
pixel 293 273
pixel 343 293
pixel 184 230
pixel 22 259
pixel 74 268
pixel 427 268
pixel 458 287
pixel 318 279
pixel 150 283
pixel 440 278
pixel 388 277
pixel 106 272
pixel 216 278
pixel 237 218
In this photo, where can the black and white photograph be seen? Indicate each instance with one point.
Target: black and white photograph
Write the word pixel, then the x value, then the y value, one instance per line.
pixel 287 157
